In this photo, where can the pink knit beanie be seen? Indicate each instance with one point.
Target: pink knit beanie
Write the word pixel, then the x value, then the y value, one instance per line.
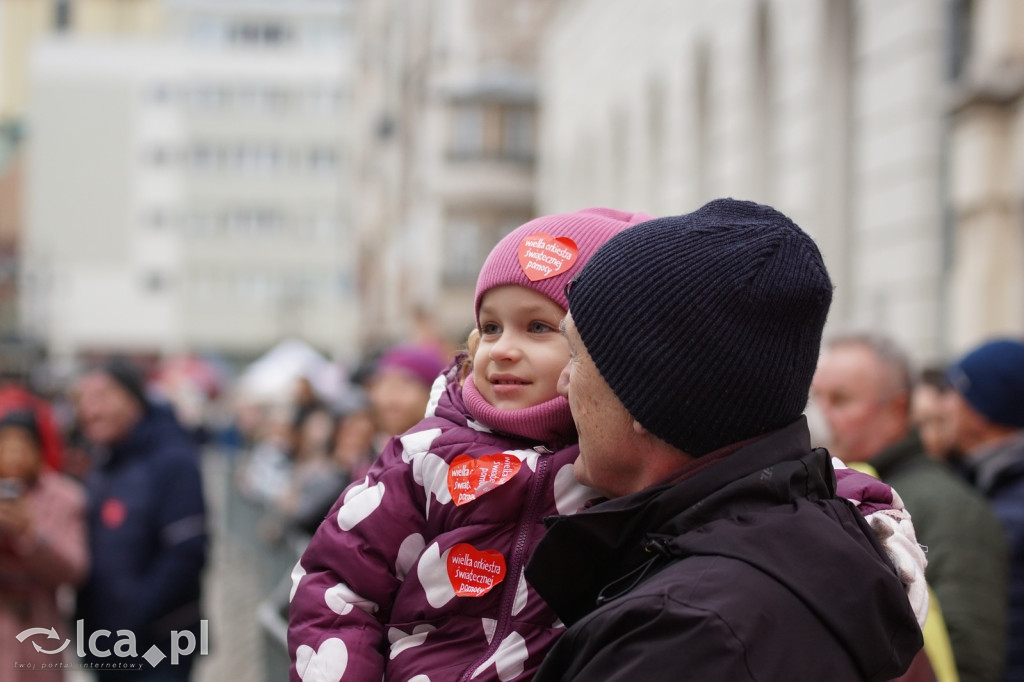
pixel 545 253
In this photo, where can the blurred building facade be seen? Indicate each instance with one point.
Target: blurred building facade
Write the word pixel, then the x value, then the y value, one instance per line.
pixel 22 23
pixel 985 110
pixel 197 198
pixel 891 131
pixel 445 130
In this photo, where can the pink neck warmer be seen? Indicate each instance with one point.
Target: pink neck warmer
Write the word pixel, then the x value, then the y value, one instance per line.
pixel 549 422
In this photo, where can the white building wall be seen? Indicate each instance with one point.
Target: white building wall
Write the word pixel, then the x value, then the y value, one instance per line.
pixel 847 144
pixel 197 199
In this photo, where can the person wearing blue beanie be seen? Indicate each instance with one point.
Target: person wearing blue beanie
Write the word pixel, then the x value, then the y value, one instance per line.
pixel 988 426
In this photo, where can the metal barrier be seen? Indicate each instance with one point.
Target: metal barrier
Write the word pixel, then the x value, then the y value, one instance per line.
pixel 266 540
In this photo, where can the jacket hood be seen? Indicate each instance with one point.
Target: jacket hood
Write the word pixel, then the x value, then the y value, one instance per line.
pixel 739 507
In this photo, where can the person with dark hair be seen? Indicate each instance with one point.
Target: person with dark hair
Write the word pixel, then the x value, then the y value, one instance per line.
pixel 42 546
pixel 722 551
pixel 930 414
pixel 146 518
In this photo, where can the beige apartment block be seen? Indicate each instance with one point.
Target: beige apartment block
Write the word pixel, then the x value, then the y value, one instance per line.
pixel 831 110
pixel 198 197
pixel 444 153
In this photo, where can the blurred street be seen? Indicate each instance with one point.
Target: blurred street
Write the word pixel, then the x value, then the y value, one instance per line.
pixel 233 591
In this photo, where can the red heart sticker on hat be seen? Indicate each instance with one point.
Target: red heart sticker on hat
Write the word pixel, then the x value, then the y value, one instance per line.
pixel 474 572
pixel 542 256
pixel 470 478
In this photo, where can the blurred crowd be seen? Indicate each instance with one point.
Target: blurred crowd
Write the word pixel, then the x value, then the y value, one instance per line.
pixel 102 515
pixel 103 519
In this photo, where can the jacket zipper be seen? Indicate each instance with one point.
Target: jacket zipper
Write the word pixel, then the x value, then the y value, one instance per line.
pixel 527 521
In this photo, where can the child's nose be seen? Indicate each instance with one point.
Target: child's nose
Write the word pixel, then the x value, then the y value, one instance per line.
pixel 506 348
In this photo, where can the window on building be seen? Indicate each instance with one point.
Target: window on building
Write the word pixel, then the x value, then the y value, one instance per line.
pixel 961 26
pixel 160 93
pixel 467 131
pixel 201 157
pixel 62 15
pixel 517 141
pixel 158 219
pixel 463 246
pixel 764 110
pixel 159 156
pixel 155 282
pixel 323 159
pixel 702 118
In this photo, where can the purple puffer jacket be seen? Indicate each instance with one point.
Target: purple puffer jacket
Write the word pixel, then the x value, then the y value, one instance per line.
pixel 402 581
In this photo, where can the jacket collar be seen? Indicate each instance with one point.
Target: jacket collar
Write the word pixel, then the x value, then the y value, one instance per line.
pixel 609 540
pixel 898 454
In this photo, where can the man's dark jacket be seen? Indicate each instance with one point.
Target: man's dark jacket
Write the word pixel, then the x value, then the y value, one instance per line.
pixel 748 569
pixel 147 536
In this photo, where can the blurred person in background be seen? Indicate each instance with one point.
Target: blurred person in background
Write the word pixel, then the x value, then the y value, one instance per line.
pixel 353 444
pixel 988 427
pixel 399 388
pixel 42 547
pixel 862 387
pixel 315 480
pixel 930 413
pixel 267 467
pixel 146 519
pixel 15 395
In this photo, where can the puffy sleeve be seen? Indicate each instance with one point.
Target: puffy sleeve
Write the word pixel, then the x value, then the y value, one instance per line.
pixel 344 584
pixel 883 509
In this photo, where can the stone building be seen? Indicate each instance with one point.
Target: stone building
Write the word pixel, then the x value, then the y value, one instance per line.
pixel 444 153
pixel 842 113
pixel 985 110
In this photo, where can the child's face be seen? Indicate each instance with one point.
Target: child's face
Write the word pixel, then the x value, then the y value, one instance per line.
pixel 19 455
pixel 521 352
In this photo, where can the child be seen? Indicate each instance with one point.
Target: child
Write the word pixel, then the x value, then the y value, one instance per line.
pixel 42 546
pixel 417 572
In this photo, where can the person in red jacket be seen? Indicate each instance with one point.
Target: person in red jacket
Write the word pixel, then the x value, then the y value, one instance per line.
pixel 42 546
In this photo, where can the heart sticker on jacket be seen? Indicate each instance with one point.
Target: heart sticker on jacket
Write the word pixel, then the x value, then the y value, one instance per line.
pixel 470 478
pixel 474 572
pixel 542 256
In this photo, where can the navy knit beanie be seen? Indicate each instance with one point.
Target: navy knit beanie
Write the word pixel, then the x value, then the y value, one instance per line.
pixel 991 380
pixel 127 377
pixel 707 326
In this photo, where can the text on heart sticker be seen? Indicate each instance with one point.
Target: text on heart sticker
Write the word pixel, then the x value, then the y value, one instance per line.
pixel 542 256
pixel 473 572
pixel 470 478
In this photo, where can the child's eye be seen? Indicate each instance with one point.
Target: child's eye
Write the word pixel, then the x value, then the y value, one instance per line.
pixel 540 328
pixel 487 328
